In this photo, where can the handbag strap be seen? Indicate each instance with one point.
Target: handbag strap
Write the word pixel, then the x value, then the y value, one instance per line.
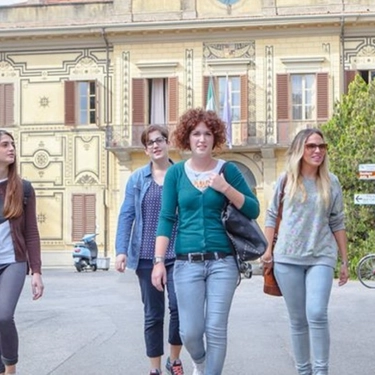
pixel 279 211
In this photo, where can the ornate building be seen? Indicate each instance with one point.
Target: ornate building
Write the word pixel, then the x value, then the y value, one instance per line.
pixel 79 81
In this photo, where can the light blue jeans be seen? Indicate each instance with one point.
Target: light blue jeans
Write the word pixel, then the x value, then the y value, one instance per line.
pixel 204 293
pixel 306 290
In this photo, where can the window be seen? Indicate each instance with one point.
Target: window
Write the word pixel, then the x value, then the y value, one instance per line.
pixel 81 103
pixel 303 96
pixel 237 87
pixel 84 215
pixel 155 101
pixel 367 75
pixel 6 104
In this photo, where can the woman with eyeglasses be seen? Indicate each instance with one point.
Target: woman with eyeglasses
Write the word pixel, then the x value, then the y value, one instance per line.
pixel 135 246
pixel 206 272
pixel 310 238
pixel 19 249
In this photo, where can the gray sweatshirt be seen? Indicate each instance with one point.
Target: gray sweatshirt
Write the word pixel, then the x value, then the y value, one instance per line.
pixel 306 230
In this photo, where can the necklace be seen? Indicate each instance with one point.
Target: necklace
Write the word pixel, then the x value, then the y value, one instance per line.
pixel 206 168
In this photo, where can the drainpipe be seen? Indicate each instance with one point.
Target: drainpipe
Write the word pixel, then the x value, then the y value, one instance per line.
pixel 106 106
pixel 342 39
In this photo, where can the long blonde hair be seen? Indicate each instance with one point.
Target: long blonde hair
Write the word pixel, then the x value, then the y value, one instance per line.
pixel 294 165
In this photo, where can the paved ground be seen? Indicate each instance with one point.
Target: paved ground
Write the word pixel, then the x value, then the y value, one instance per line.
pixel 91 323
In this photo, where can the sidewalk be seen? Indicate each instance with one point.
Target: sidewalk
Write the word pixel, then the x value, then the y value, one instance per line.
pixel 92 323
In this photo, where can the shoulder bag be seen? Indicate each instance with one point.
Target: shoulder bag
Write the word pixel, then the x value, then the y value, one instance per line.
pixel 246 237
pixel 270 285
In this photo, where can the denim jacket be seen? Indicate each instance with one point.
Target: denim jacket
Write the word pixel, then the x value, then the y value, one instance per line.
pixel 130 220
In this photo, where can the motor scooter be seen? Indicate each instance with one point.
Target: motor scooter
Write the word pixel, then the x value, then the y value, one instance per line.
pixel 85 253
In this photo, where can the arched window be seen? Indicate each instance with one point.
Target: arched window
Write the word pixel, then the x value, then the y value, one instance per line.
pixel 248 175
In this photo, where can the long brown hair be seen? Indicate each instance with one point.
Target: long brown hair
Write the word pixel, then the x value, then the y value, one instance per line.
pixel 13 204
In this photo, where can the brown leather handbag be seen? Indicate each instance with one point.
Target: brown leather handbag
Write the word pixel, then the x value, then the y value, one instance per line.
pixel 270 285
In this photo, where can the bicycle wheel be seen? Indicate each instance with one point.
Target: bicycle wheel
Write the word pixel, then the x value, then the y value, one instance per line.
pixel 366 271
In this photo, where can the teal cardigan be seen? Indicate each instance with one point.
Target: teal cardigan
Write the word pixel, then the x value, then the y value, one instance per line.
pixel 199 212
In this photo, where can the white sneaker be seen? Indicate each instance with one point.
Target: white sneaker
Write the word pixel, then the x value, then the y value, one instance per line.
pixel 198 368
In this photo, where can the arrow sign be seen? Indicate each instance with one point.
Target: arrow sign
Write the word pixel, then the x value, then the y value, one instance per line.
pixel 364 199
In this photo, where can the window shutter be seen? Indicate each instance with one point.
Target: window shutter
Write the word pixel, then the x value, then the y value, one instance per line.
pixel 206 81
pixel 349 76
pixel 282 87
pixel 97 103
pixel 172 100
pixel 83 215
pixel 322 96
pixel 70 103
pixel 6 104
pixel 138 97
pixel 244 99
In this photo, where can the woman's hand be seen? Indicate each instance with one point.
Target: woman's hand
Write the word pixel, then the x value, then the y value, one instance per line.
pixel 267 259
pixel 218 182
pixel 37 286
pixel 120 263
pixel 159 276
pixel 344 274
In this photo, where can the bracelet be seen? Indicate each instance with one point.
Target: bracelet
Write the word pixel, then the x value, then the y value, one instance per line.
pixel 345 263
pixel 267 261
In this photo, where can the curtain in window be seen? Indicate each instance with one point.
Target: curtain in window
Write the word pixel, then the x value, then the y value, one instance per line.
pixel 157 102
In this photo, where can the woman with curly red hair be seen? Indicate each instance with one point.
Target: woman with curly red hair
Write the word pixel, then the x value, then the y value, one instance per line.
pixel 205 273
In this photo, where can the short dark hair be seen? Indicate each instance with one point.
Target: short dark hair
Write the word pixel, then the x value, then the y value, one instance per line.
pixel 153 128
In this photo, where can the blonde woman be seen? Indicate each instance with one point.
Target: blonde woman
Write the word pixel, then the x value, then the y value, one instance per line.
pixel 311 235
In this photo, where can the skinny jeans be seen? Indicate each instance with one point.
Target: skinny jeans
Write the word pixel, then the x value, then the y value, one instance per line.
pixel 12 279
pixel 154 309
pixel 306 291
pixel 205 292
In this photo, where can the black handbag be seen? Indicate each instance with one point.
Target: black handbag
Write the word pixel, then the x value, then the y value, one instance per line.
pixel 246 237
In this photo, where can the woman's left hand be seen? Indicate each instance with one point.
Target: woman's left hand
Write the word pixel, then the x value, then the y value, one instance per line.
pixel 37 286
pixel 344 274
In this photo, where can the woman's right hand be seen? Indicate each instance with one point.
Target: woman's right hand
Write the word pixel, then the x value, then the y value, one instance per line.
pixel 159 276
pixel 267 259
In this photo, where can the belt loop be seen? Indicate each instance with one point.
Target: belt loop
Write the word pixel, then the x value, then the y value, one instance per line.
pixel 216 255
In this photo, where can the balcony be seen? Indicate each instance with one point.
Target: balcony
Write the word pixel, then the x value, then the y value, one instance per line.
pixel 245 137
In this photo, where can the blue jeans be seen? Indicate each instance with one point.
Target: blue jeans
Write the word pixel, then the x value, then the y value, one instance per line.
pixel 154 309
pixel 306 290
pixel 204 294
pixel 12 279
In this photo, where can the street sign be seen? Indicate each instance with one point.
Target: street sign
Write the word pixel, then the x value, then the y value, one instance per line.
pixel 366 175
pixel 366 167
pixel 364 199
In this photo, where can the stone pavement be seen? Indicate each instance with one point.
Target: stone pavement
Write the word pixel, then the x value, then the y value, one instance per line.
pixel 91 323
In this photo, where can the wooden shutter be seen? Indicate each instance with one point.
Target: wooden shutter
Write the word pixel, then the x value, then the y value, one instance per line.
pixel 349 76
pixel 322 96
pixel 282 88
pixel 6 104
pixel 138 98
pixel 83 215
pixel 97 103
pixel 172 100
pixel 206 81
pixel 244 98
pixel 70 103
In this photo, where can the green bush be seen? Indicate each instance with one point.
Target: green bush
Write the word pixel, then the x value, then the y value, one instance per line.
pixel 351 137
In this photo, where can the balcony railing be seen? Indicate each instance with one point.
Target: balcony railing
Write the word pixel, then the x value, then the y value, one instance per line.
pixel 244 135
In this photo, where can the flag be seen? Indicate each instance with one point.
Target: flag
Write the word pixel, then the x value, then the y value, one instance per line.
pixel 210 104
pixel 227 114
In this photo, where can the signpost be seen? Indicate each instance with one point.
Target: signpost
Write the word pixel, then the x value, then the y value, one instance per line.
pixel 365 172
pixel 364 199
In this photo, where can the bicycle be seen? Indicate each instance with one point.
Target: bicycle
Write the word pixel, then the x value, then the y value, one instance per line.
pixel 366 271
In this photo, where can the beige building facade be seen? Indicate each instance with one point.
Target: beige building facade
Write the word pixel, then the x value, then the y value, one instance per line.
pixel 80 80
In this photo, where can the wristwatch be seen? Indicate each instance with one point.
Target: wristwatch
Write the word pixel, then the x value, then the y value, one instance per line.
pixel 158 259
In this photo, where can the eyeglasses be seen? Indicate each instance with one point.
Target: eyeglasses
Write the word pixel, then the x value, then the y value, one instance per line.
pixel 159 141
pixel 313 146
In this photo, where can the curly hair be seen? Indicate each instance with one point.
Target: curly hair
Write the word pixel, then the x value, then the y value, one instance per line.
pixel 188 122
